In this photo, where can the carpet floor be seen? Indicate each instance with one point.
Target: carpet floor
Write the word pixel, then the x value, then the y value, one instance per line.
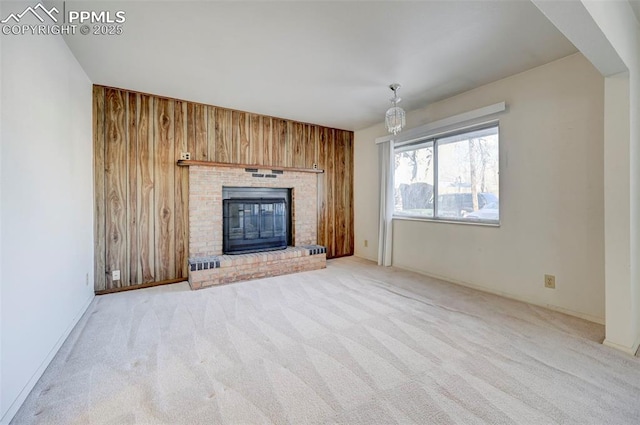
pixel 351 344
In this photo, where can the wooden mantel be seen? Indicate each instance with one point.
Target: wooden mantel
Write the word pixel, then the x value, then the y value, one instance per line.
pixel 187 163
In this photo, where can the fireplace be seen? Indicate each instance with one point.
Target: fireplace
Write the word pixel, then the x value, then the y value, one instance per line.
pixel 241 210
pixel 255 219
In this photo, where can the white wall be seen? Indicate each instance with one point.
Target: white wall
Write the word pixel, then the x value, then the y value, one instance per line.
pixel 552 194
pixel 618 23
pixel 617 208
pixel 608 34
pixel 46 215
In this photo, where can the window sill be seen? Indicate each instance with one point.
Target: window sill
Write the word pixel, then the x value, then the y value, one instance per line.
pixel 448 221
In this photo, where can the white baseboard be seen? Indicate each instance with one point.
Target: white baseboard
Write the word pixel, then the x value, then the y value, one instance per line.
pixel 588 317
pixel 13 409
pixel 629 350
pixel 364 257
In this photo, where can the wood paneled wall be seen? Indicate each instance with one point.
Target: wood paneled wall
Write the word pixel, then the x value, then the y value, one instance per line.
pixel 141 195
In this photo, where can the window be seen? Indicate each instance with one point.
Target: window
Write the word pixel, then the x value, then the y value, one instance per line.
pixel 454 176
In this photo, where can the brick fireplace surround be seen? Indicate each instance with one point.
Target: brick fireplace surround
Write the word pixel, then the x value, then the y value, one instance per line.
pixel 207 264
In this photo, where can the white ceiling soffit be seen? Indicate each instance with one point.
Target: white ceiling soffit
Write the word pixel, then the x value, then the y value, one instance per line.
pixel 326 63
pixel 573 19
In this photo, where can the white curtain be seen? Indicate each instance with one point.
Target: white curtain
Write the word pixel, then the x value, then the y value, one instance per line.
pixel 386 167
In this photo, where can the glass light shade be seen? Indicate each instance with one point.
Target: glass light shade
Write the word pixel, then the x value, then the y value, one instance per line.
pixel 395 119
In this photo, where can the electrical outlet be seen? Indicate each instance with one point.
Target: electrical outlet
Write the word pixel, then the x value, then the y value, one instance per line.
pixel 86 279
pixel 185 155
pixel 115 275
pixel 366 243
pixel 315 166
pixel 549 281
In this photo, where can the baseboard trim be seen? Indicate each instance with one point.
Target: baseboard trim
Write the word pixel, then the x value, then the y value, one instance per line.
pixel 17 403
pixel 364 257
pixel 633 350
pixel 588 317
pixel 140 286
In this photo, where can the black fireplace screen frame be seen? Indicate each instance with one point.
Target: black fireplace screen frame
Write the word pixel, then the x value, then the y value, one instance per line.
pixel 253 221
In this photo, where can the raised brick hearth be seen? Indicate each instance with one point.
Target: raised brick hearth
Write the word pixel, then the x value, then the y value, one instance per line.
pixel 215 270
pixel 208 265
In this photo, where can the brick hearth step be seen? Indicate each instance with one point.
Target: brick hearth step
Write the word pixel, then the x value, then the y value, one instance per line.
pixel 219 269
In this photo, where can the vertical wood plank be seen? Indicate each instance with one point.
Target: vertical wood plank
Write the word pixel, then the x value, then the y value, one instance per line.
pixel 267 141
pixel 279 135
pixel 241 138
pixel 340 212
pixel 311 140
pixel 99 231
pixel 224 135
pixel 288 151
pixel 349 181
pixel 181 198
pixel 316 158
pixel 297 144
pixel 132 196
pixel 211 131
pixel 163 127
pixel 145 190
pixel 200 119
pixel 218 134
pixel 116 187
pixel 230 149
pixel 323 134
pixel 191 129
pixel 256 141
pixel 330 194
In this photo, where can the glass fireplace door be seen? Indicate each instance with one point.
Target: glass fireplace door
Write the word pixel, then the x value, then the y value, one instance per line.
pixel 253 225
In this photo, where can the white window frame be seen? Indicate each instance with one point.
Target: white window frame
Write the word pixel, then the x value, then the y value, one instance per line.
pixel 467 121
pixel 434 142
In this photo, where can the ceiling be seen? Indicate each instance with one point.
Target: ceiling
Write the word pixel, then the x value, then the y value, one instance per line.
pixel 327 62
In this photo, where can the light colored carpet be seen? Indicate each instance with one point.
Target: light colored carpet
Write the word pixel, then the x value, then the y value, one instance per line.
pixel 352 344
